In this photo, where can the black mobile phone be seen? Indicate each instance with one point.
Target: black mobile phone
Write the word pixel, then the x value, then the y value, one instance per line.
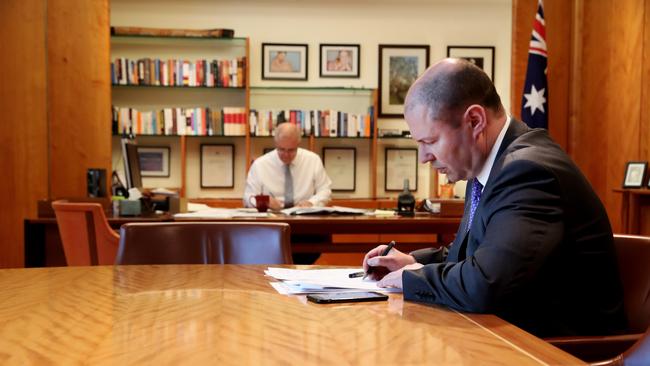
pixel 329 298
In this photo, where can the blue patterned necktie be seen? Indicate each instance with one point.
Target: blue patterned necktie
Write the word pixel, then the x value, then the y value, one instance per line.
pixel 288 187
pixel 477 188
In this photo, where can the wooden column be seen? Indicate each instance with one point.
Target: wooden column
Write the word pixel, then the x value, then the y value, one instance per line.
pixel 23 122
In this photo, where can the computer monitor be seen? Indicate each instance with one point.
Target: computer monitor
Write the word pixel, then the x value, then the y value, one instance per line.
pixel 131 164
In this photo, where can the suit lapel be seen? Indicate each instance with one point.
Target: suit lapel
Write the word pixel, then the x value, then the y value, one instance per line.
pixel 458 251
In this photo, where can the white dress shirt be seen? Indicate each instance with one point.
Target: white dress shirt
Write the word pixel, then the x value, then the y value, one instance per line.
pixel 310 181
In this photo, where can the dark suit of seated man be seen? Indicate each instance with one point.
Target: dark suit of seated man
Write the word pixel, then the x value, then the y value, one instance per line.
pixel 535 245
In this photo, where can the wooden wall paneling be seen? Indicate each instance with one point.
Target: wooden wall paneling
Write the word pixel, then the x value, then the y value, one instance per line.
pixel 644 134
pixel 624 98
pixel 23 129
pixel 606 133
pixel 78 93
pixel 522 25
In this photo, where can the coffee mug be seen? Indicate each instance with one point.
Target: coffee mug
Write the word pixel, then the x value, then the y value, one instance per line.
pixel 261 202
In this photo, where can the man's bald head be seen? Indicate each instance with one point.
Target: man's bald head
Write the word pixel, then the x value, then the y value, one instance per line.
pixel 448 87
pixel 287 131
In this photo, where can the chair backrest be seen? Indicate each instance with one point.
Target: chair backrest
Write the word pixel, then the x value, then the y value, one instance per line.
pixel 86 236
pixel 633 253
pixel 205 243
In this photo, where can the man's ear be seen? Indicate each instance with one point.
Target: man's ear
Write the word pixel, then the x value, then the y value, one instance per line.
pixel 476 117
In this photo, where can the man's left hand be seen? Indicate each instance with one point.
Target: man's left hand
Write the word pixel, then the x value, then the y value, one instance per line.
pixel 304 204
pixel 394 279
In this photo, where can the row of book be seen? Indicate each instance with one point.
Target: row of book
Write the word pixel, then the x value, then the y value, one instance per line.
pixel 228 121
pixel 319 123
pixel 156 72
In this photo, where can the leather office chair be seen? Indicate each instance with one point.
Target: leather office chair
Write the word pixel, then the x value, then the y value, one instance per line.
pixel 633 255
pixel 637 355
pixel 86 236
pixel 205 243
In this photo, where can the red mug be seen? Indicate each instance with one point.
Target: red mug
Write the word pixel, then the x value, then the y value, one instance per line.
pixel 261 202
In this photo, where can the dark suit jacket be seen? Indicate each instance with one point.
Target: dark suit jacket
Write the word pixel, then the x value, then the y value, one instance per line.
pixel 539 253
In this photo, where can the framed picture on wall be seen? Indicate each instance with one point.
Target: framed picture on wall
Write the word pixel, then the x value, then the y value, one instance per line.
pixel 154 161
pixel 481 56
pixel 635 173
pixel 400 164
pixel 339 60
pixel 341 166
pixel 399 66
pixel 217 166
pixel 284 61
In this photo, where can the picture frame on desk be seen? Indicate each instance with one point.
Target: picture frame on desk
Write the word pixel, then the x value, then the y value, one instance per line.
pixel 400 164
pixel 154 161
pixel 399 67
pixel 339 162
pixel 635 174
pixel 217 166
pixel 481 56
pixel 339 60
pixel 284 61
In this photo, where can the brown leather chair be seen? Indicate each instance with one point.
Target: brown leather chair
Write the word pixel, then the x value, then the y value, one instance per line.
pixel 633 255
pixel 86 236
pixel 205 243
pixel 637 355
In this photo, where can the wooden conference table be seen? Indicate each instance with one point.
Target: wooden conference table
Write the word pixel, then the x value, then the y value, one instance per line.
pixel 230 315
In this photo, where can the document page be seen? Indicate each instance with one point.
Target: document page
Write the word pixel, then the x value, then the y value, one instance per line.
pixel 299 281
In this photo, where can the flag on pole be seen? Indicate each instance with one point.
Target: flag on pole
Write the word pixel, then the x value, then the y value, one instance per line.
pixel 534 105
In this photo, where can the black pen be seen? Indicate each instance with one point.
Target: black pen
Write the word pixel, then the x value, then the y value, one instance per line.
pixel 383 254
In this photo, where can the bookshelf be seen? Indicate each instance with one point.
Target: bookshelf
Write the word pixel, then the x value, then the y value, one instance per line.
pixel 151 99
pixel 191 78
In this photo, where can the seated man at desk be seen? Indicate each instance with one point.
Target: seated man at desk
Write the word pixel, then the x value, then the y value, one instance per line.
pixel 535 245
pixel 290 175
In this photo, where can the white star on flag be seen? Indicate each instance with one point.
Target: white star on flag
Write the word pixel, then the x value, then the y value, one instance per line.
pixel 535 100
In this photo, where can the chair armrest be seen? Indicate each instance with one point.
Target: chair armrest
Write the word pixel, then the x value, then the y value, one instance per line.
pixel 596 348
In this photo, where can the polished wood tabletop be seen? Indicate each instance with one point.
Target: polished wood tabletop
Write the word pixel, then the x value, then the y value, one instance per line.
pixel 230 315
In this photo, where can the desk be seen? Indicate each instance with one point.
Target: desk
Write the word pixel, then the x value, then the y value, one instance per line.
pixel 230 315
pixel 43 246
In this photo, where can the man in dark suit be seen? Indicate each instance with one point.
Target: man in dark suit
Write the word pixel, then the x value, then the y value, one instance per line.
pixel 535 244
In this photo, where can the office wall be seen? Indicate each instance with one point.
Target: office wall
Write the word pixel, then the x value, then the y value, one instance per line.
pixel 599 84
pixel 55 105
pixel 23 127
pixel 368 23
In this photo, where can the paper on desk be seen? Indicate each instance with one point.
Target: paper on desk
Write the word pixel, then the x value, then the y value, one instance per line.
pixel 221 213
pixel 323 280
pixel 317 210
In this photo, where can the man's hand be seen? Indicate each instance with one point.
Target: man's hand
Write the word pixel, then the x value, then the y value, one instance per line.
pixel 394 279
pixel 304 204
pixel 391 262
pixel 274 204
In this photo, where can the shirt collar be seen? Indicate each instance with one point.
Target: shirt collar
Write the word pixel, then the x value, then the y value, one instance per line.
pixel 489 162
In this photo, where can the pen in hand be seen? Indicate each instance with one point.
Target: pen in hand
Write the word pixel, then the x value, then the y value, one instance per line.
pixel 369 271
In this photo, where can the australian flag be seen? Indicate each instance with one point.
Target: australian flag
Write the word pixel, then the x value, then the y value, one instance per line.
pixel 534 106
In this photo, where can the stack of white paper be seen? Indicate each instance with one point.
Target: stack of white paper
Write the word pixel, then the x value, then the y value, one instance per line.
pixel 222 213
pixel 303 281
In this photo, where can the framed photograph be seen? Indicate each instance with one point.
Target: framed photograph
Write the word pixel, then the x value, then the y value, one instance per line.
pixel 217 166
pixel 341 166
pixel 339 60
pixel 400 164
pixel 154 161
pixel 284 61
pixel 635 174
pixel 481 56
pixel 399 66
